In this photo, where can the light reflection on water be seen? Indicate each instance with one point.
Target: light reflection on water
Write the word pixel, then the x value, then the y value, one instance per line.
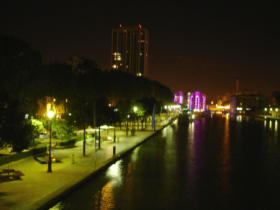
pixel 222 162
pixel 104 199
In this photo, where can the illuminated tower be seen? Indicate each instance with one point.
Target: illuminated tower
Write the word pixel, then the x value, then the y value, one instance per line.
pixel 130 50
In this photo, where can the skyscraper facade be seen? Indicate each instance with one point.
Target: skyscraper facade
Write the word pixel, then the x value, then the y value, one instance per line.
pixel 130 50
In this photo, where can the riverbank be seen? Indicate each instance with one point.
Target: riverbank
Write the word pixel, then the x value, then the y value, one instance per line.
pixel 38 189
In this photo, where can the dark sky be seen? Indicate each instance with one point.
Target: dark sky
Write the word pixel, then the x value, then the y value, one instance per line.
pixel 195 45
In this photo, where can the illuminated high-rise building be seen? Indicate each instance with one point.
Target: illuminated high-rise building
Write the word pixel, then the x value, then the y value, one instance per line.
pixel 130 50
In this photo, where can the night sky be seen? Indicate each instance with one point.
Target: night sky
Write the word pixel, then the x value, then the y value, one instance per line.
pixel 195 45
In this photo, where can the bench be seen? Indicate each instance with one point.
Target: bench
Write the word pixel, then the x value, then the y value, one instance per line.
pixel 12 175
pixel 17 175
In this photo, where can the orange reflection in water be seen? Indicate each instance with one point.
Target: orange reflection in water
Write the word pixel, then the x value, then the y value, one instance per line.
pixel 104 199
pixel 128 187
pixel 226 155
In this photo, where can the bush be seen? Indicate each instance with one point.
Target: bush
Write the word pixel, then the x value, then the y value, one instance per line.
pixel 37 143
pixel 67 144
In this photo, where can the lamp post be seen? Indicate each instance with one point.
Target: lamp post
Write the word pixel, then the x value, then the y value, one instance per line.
pixel 114 132
pixel 50 114
pixel 127 125
pixel 135 109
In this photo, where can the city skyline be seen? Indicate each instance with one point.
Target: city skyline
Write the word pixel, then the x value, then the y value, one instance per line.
pixel 193 46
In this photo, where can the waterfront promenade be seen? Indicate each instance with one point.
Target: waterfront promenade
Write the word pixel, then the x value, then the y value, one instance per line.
pixel 38 189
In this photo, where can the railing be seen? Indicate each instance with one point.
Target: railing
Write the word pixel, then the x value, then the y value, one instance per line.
pixel 5 159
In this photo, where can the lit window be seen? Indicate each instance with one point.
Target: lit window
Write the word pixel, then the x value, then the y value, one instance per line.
pixel 140 53
pixel 117 56
pixel 240 104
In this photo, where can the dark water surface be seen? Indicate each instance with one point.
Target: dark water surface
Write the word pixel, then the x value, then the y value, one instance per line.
pixel 213 163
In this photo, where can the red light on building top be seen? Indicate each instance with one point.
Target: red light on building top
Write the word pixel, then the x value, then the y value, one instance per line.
pixel 120 25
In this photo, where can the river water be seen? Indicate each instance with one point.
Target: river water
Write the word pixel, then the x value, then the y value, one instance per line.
pixel 228 162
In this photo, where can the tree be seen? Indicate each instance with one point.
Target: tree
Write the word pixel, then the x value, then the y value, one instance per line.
pixel 19 89
pixel 62 129
pixel 20 67
pixel 38 125
pixel 61 83
pixel 15 130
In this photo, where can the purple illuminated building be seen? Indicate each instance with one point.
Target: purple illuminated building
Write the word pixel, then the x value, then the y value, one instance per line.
pixel 197 102
pixel 179 97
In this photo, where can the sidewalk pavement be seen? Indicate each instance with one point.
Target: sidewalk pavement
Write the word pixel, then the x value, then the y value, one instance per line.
pixel 39 189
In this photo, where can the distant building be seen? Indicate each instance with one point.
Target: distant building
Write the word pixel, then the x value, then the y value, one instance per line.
pixel 130 50
pixel 187 100
pixel 75 62
pixel 81 65
pixel 191 101
pixel 179 97
pixel 44 105
pixel 241 104
pixel 197 102
pixel 226 103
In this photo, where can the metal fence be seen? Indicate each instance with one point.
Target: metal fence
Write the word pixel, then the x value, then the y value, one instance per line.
pixel 5 159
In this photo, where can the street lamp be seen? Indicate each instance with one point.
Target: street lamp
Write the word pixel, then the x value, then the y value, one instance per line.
pixel 127 125
pixel 135 109
pixel 50 115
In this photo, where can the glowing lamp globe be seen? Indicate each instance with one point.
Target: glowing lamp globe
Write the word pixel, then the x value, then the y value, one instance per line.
pixel 50 113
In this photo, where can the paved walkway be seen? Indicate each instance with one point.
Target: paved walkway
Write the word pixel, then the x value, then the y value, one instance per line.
pixel 38 189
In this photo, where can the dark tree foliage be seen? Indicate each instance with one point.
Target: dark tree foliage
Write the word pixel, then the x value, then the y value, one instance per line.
pixel 15 131
pixel 20 68
pixel 125 89
pixel 20 88
pixel 60 79
pixel 62 129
